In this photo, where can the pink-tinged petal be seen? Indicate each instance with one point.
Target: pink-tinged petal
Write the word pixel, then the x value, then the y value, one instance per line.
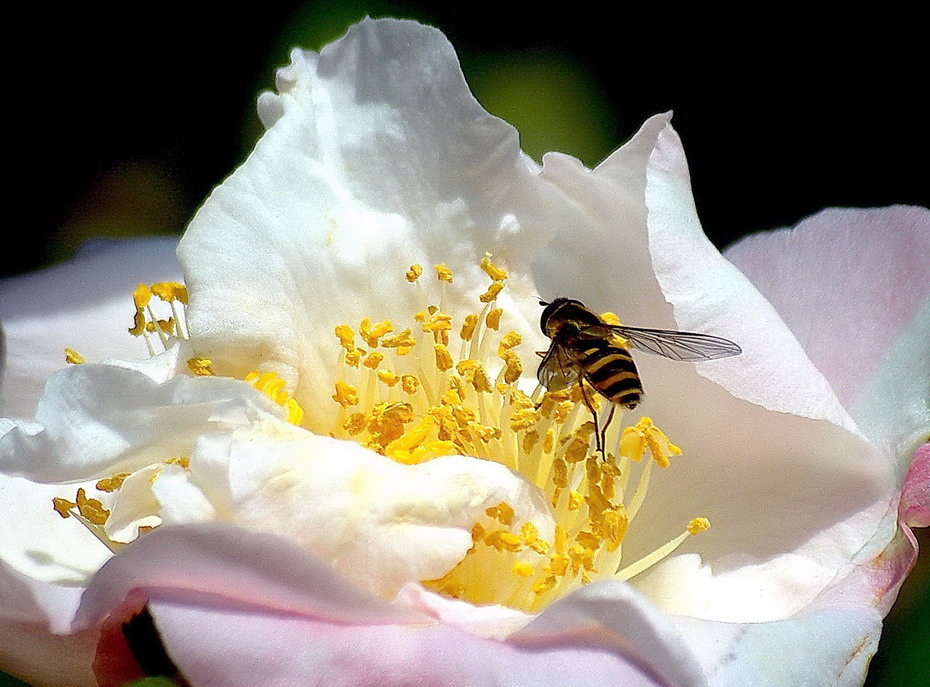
pixel 114 663
pixel 791 494
pixel 233 606
pixel 34 616
pixel 846 281
pixel 240 567
pixel 209 645
pixel 84 304
pixel 915 496
pixel 854 287
pixel 828 644
pixel 826 648
pixel 618 615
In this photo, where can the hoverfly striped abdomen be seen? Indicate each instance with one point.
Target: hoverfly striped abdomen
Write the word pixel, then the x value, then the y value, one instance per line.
pixel 610 369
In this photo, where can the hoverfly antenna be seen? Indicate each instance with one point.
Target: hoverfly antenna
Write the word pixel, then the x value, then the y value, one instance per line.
pixel 542 302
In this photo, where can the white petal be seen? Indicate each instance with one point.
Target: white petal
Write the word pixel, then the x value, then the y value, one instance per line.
pixel 381 523
pixel 377 157
pixel 37 541
pixel 98 420
pixel 85 304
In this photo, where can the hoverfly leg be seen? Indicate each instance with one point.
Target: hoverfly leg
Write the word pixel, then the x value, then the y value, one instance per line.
pixel 598 435
pixel 610 417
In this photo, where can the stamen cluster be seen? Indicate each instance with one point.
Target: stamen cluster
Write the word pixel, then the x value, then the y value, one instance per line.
pixel 446 387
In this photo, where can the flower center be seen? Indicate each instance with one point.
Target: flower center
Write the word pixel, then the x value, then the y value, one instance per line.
pixel 451 385
pixel 445 387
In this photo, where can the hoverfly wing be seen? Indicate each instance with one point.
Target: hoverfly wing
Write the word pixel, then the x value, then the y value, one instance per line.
pixel 675 345
pixel 557 371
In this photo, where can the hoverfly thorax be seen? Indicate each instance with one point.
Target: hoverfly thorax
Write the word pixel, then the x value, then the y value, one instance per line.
pixel 564 315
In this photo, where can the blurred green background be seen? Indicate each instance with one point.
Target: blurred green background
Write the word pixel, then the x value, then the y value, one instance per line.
pixel 125 116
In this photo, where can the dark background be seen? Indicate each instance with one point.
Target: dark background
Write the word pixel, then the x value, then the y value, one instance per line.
pixel 124 117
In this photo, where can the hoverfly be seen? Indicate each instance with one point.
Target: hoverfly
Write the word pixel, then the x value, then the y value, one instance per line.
pixel 584 346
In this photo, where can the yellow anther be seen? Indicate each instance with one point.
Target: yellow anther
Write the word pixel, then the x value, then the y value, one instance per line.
pixel 387 422
pixel 496 273
pixel 167 326
pixel 73 357
pixel 474 374
pixel 644 434
pixel 111 484
pixel 468 327
pixel 443 273
pixel 493 320
pixel 403 342
pixel 529 441
pixel 523 569
pixel 698 525
pixel 632 444
pixel 295 413
pixel 549 441
pixel 502 512
pixel 509 341
pixel 388 377
pixel 63 506
pixel 346 337
pixel 142 296
pixel 491 294
pixel 524 418
pixel 373 360
pixel 443 357
pixel 91 509
pixel 576 450
pixel 182 461
pixel 353 358
pixel 424 452
pixel 560 473
pixel 409 383
pixel 504 541
pixel 346 395
pixel 575 499
pixel 437 322
pixel 138 324
pixel 544 585
pixel 413 273
pixel 413 437
pixel 355 423
pixel 170 292
pixel 484 433
pixel 200 367
pixel 372 332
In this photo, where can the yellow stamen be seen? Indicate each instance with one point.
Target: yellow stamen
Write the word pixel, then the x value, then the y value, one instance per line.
pixel 443 273
pixel 73 357
pixel 111 484
pixel 201 367
pixel 496 273
pixel 142 296
pixel 170 292
pixel 414 273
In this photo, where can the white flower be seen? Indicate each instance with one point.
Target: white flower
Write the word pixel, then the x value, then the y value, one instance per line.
pixel 433 537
